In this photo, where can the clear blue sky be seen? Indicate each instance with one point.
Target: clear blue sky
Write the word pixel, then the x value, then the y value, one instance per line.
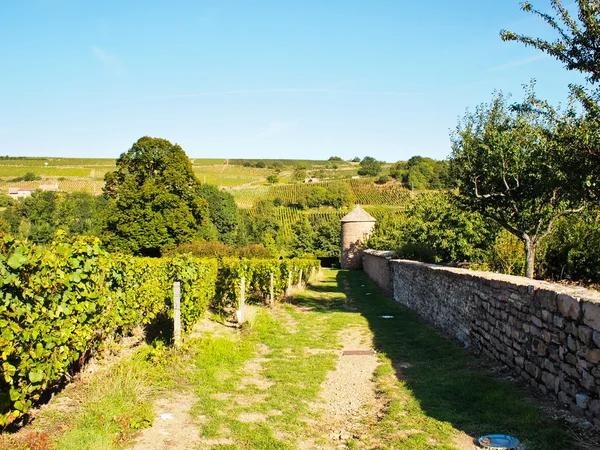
pixel 259 79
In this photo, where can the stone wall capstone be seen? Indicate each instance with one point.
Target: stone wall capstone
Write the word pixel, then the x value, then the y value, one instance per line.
pixel 548 334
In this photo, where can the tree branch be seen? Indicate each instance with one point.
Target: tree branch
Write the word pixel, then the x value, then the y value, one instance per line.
pixel 556 216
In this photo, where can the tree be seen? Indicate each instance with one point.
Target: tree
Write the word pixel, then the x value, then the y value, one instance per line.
pixel 80 213
pixel 223 211
pixel 299 175
pixel 155 204
pixel 433 230
pixel 328 236
pixel 509 164
pixel 257 226
pixel 369 167
pixel 36 216
pixel 303 239
pixel 273 179
pixel 577 46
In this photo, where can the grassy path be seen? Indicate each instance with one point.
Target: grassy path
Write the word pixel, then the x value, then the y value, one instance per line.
pixel 273 385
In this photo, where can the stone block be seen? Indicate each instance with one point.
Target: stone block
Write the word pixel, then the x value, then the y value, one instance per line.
pixel 547 316
pixel 572 343
pixel 549 366
pixel 546 336
pixel 569 370
pixel 553 353
pixel 516 334
pixel 569 306
pixel 582 400
pixel 536 321
pixel 596 373
pixel 548 380
pixel 571 359
pixel 519 361
pixel 539 347
pixel 588 381
pixel 593 356
pixel 594 407
pixel 510 354
pixel 570 327
pixel 582 364
pixel 562 351
pixel 558 321
pixel 547 299
pixel 533 370
pixel 585 334
pixel 591 315
pixel 596 338
pixel 564 398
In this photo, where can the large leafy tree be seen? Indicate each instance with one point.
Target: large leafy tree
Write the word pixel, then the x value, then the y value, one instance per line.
pixel 577 46
pixel 509 163
pixel 369 167
pixel 155 203
pixel 578 41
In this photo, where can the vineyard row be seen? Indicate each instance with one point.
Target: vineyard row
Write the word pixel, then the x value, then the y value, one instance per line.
pixel 58 303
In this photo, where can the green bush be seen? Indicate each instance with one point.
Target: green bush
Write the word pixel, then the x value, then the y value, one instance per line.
pixel 219 250
pixel 572 251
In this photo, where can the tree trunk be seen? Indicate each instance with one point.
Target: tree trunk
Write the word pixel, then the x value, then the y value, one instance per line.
pixel 529 257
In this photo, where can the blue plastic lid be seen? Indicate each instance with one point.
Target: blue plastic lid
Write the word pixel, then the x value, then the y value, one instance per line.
pixel 498 441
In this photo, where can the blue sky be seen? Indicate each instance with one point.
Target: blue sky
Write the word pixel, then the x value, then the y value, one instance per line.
pixel 259 79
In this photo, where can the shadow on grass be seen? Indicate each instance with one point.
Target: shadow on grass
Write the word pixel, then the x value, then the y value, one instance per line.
pixel 160 329
pixel 450 384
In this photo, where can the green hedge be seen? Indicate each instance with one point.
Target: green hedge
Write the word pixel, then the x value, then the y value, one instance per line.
pixel 60 301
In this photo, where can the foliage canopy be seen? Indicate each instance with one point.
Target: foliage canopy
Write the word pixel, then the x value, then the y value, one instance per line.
pixel 510 167
pixel 156 203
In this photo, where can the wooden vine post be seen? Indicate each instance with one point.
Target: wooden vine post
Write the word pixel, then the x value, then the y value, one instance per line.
pixel 289 287
pixel 242 305
pixel 272 290
pixel 177 313
pixel 313 272
pixel 300 280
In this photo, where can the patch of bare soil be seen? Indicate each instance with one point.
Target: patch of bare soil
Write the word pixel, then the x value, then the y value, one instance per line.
pixel 253 371
pixel 174 428
pixel 207 326
pixel 348 400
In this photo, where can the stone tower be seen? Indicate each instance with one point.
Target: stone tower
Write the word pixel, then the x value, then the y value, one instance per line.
pixel 357 226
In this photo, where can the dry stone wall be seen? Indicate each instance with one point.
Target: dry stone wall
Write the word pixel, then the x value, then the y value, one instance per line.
pixel 548 334
pixel 376 266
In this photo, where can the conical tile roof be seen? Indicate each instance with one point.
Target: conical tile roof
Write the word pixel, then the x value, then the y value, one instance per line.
pixel 358 215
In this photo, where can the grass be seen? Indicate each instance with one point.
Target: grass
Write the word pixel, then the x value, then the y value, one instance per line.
pixel 272 370
pixel 436 386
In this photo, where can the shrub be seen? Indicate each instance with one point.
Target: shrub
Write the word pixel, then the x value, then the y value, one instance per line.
pixel 220 250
